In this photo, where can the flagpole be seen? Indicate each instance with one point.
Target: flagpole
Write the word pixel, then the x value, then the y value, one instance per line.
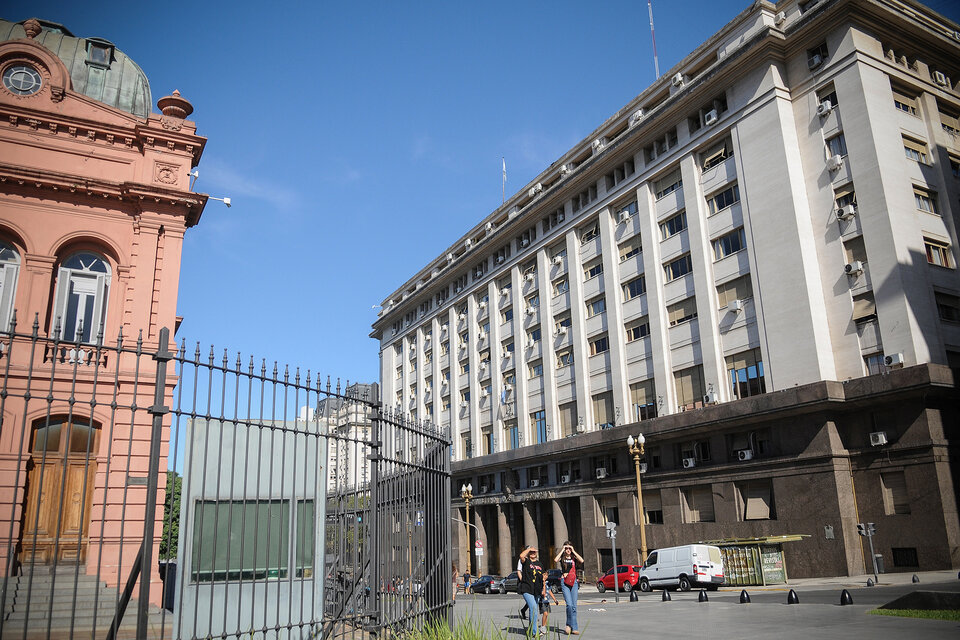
pixel 503 184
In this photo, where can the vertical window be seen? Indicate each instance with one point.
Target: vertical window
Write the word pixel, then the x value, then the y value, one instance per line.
pixel 538 420
pixel 507 315
pixel 677 268
pixel 938 253
pixel 593 269
pixel 603 416
pixel 564 358
pixel 738 289
pixel 926 200
pixel 638 329
pixel 536 369
pixel 915 150
pixel 652 508
pixel 673 225
pixel 600 344
pixel 668 184
pixel 746 373
pixel 533 301
pixel 756 498
pixel 568 418
pixel 846 196
pixel 596 306
pixel 643 397
pixel 697 504
pixel 303 540
pixel 560 286
pixel 589 232
pixel 689 387
pixel 904 102
pixel 828 94
pixel 893 485
pixel 80 307
pixel 562 322
pixel 716 154
pixel 9 268
pixel 634 288
pixel 948 306
pixel 729 243
pixel 682 311
pixel 512 433
pixel 855 250
pixel 874 364
pixel 630 248
pixel 837 145
pixel 726 198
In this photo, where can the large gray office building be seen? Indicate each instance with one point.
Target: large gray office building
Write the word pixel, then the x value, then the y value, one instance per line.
pixel 753 264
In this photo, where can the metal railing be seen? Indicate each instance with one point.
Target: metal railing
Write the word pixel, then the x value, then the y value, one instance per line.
pixel 279 503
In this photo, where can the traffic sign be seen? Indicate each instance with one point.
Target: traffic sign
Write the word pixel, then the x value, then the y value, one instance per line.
pixel 479 544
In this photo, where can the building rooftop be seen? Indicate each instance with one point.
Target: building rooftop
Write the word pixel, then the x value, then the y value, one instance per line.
pixel 98 69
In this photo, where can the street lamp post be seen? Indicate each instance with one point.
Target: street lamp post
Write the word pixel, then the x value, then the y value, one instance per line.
pixel 466 492
pixel 635 447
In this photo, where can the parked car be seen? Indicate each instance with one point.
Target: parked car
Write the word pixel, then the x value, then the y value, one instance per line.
pixel 684 568
pixel 488 584
pixel 512 582
pixel 628 575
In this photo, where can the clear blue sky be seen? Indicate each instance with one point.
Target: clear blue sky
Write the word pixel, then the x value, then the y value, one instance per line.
pixel 359 140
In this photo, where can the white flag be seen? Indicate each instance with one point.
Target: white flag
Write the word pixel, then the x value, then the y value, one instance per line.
pixel 504 170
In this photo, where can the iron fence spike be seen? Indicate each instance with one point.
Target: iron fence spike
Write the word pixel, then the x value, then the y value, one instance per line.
pixel 196 354
pixel 226 358
pixel 36 324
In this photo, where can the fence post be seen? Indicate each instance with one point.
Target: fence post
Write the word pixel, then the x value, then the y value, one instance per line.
pixel 374 525
pixel 157 410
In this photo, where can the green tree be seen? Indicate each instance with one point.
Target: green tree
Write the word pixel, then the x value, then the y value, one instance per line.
pixel 171 517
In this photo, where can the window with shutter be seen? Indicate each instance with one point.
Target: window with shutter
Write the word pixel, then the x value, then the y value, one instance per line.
pixel 757 499
pixel 698 504
pixel 643 397
pixel 603 410
pixel 9 268
pixel 893 485
pixel 80 306
pixel 652 508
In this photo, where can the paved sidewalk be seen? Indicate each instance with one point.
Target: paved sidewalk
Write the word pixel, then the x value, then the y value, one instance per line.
pixel 819 613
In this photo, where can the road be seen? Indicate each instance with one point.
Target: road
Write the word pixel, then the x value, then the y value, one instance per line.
pixel 819 613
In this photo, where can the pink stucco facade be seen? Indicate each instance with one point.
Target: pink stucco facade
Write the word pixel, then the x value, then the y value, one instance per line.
pixel 78 176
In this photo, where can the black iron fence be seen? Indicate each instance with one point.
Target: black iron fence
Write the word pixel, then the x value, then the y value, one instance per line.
pixel 158 493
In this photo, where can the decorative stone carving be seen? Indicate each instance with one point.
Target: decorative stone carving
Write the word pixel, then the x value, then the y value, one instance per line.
pixel 172 123
pixel 32 28
pixel 175 106
pixel 56 93
pixel 165 173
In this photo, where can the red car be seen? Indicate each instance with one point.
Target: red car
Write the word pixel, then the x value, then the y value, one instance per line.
pixel 628 575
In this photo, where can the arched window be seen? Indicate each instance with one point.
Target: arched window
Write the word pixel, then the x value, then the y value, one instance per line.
pixel 9 267
pixel 80 306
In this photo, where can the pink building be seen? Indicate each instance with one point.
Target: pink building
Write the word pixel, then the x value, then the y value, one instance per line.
pixel 94 202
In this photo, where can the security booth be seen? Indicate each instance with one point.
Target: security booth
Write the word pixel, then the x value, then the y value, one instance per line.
pixel 754 561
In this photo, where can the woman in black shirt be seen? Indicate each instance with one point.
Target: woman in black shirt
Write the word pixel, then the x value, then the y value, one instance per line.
pixel 531 586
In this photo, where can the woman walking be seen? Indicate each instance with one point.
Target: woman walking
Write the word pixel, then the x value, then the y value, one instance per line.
pixel 567 561
pixel 532 587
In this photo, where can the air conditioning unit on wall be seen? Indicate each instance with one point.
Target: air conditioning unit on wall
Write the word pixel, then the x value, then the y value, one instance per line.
pixel 601 473
pixel 745 454
pixel 689 463
pixel 878 438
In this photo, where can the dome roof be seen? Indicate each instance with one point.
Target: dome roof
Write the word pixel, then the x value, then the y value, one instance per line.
pixel 97 68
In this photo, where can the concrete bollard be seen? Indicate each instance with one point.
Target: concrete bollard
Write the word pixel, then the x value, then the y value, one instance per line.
pixel 792 597
pixel 634 597
pixel 744 597
pixel 845 598
pixel 703 596
pixel 915 579
pixel 666 596
pixel 869 582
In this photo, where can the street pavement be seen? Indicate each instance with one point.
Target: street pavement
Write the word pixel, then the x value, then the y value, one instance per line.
pixel 818 613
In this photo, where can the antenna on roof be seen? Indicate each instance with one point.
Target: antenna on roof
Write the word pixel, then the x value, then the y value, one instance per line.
pixel 656 62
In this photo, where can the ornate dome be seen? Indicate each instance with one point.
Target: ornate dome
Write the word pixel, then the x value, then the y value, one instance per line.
pixel 97 68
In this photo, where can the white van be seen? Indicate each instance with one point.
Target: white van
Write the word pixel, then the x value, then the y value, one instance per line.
pixel 686 567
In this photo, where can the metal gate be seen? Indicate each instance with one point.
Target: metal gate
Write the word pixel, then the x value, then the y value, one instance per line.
pixel 152 493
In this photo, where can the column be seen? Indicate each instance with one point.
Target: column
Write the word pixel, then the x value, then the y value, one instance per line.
pixel 529 528
pixel 480 562
pixel 560 534
pixel 505 560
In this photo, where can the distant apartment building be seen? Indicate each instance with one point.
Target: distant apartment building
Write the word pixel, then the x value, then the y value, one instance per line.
pixel 753 263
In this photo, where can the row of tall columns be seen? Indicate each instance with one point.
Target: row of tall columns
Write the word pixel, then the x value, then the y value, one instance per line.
pixel 506 547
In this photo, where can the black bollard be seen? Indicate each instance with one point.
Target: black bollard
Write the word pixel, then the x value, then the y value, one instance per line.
pixel 703 596
pixel 845 598
pixel 633 596
pixel 869 582
pixel 744 597
pixel 915 578
pixel 792 597
pixel 666 596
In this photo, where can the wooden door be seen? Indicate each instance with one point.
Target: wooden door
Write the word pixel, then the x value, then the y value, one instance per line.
pixel 60 480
